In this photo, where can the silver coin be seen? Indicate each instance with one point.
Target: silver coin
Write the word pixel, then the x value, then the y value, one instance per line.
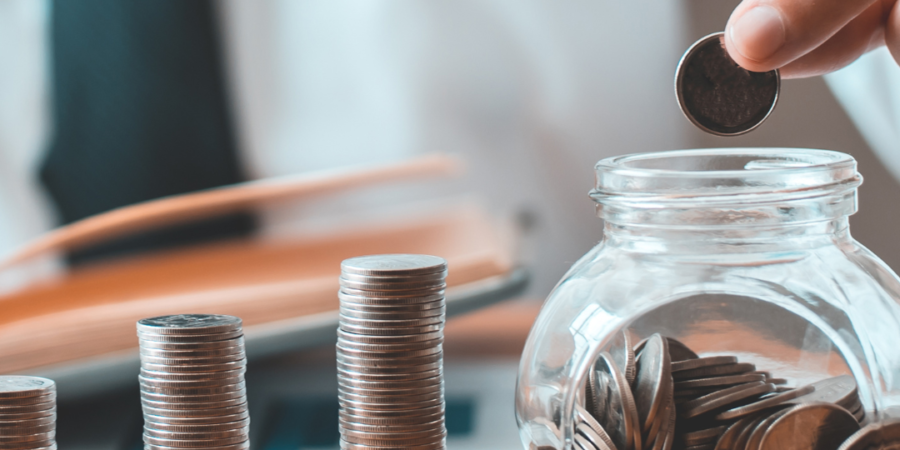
pixel 185 346
pixel 629 368
pixel 719 382
pixel 190 339
pixel 373 420
pixel 362 346
pixel 435 389
pixel 27 428
pixel 386 355
pixel 181 398
pixel 187 324
pixel 656 439
pixel 394 265
pixel 388 307
pixel 25 423
pixel 438 445
pixel 197 435
pixel 874 436
pixel 24 409
pixel 378 285
pixel 764 404
pixel 352 372
pixel 582 443
pixel 649 437
pixel 653 368
pixel 396 339
pixel 389 391
pixel 370 360
pixel 390 384
pixel 706 436
pixel 597 438
pixel 190 386
pixel 190 421
pixel 391 406
pixel 240 446
pixel 18 386
pixel 744 435
pixel 396 279
pixel 608 387
pixel 178 413
pixel 199 443
pixel 210 404
pixel 755 438
pixel 583 416
pixel 176 354
pixel 388 417
pixel 435 425
pixel 26 401
pixel 36 438
pixel 729 439
pixel 370 300
pixel 394 439
pixel 399 323
pixel 425 395
pixel 198 428
pixel 839 390
pixel 167 375
pixel 193 361
pixel 7 416
pixel 188 365
pixel 351 295
pixel 719 96
pixel 714 371
pixel 366 315
pixel 830 425
pixel 391 331
pixel 723 398
pixel 679 366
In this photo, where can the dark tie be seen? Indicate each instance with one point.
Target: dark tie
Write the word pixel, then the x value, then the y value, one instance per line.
pixel 139 112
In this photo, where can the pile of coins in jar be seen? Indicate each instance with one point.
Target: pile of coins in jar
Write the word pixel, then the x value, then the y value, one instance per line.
pixel 192 382
pixel 660 395
pixel 27 413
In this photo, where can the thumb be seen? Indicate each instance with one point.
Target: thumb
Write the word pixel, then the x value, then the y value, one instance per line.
pixel 762 35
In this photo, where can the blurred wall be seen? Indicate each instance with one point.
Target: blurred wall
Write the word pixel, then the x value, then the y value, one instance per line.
pixel 808 116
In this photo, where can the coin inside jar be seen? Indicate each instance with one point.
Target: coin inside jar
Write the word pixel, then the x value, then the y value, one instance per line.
pixel 719 96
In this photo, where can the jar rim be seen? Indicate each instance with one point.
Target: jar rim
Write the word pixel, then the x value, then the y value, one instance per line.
pixel 758 181
pixel 723 171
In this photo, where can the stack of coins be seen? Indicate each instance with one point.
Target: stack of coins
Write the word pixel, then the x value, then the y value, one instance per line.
pixel 192 382
pixel 27 413
pixel 389 353
pixel 680 400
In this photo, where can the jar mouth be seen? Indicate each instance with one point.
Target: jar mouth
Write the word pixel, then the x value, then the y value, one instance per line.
pixel 722 178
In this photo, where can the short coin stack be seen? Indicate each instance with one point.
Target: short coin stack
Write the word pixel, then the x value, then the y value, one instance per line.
pixel 679 400
pixel 192 382
pixel 389 352
pixel 27 413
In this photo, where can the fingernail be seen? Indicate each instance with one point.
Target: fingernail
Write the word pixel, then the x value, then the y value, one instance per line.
pixel 759 33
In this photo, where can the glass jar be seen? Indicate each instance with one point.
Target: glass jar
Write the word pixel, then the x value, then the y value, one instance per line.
pixel 741 252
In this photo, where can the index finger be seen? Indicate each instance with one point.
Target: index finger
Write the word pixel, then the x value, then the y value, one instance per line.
pixel 762 35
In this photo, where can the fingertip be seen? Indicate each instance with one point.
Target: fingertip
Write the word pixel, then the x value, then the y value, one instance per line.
pixel 892 33
pixel 754 34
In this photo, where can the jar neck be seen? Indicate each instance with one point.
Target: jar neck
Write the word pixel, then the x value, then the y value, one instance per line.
pixel 737 239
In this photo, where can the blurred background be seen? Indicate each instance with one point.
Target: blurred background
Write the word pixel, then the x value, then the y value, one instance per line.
pixel 106 103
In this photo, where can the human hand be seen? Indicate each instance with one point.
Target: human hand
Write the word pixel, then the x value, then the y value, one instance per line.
pixel 805 38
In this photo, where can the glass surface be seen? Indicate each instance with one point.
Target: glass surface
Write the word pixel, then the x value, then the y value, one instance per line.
pixel 743 252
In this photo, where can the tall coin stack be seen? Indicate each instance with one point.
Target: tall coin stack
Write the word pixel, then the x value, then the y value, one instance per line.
pixel 27 413
pixel 192 382
pixel 389 353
